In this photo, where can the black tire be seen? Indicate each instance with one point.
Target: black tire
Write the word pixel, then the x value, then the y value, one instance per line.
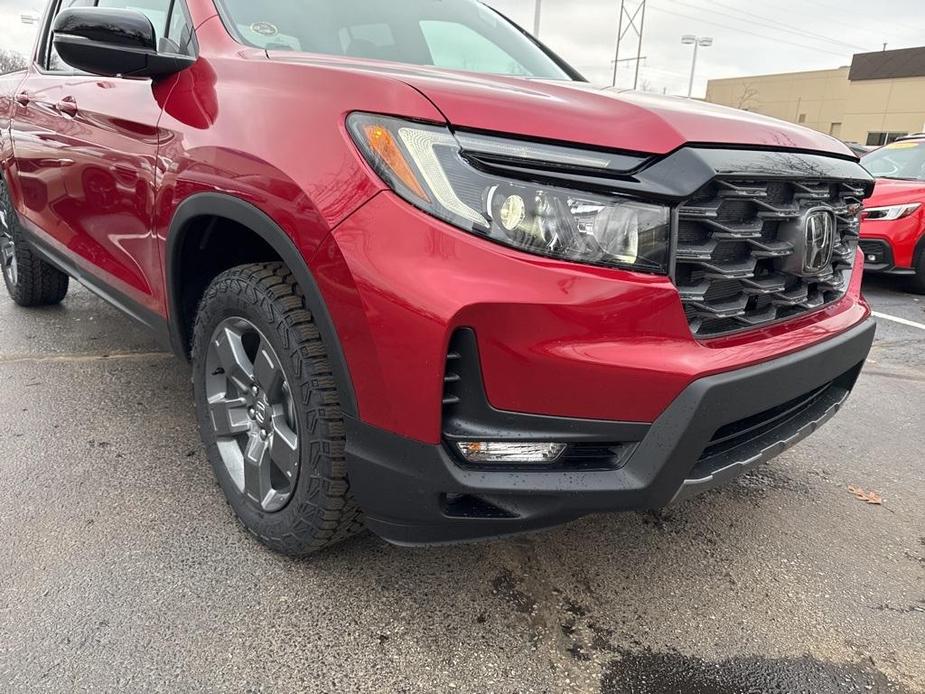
pixel 29 279
pixel 916 284
pixel 320 511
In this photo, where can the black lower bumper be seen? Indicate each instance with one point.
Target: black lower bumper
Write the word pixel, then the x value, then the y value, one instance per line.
pixel 878 258
pixel 415 493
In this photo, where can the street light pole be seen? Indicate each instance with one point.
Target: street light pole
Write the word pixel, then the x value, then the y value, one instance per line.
pixel 690 87
pixel 536 18
pixel 696 42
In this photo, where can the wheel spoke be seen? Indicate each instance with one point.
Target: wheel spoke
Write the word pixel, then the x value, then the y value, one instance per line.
pixel 252 414
pixel 234 360
pixel 268 373
pixel 257 483
pixel 229 416
pixel 8 258
pixel 7 250
pixel 284 445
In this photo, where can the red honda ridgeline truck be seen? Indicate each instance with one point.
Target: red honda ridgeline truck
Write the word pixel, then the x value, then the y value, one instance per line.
pixel 428 278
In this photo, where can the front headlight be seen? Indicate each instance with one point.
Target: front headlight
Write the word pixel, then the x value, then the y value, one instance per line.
pixel 891 214
pixel 428 167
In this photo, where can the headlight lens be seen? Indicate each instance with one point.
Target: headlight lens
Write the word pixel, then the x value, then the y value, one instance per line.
pixel 427 166
pixel 890 214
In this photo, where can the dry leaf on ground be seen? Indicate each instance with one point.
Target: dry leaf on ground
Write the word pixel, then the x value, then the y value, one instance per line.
pixel 870 497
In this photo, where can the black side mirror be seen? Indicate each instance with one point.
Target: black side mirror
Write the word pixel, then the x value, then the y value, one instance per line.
pixel 113 43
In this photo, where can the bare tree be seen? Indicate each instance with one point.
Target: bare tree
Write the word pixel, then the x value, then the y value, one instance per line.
pixel 11 61
pixel 748 98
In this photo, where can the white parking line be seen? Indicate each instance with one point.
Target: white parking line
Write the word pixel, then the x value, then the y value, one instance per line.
pixel 901 321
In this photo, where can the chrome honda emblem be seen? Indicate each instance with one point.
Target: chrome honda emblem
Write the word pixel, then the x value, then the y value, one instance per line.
pixel 260 413
pixel 819 227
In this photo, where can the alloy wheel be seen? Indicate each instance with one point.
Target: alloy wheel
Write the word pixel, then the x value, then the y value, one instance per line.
pixel 8 250
pixel 252 413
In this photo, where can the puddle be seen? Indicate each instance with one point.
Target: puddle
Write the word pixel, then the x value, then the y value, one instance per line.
pixel 672 673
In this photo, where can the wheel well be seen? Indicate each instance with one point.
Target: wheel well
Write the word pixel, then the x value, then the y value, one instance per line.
pixel 212 232
pixel 919 252
pixel 208 246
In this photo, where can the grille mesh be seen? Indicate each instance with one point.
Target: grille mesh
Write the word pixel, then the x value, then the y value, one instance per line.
pixel 732 254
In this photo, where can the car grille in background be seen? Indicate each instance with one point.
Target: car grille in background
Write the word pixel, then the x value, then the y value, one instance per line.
pixel 730 251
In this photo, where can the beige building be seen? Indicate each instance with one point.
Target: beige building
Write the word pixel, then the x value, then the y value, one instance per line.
pixel 880 97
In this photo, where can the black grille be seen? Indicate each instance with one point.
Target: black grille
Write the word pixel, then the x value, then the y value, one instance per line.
pixel 736 243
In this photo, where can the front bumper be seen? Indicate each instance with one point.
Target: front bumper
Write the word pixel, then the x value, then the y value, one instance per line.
pixel 891 247
pixel 555 338
pixel 880 259
pixel 719 426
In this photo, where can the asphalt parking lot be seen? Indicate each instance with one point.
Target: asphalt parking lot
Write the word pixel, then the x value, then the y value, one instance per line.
pixel 122 568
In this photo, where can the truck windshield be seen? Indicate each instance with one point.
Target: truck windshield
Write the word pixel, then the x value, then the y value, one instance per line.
pixel 453 34
pixel 902 160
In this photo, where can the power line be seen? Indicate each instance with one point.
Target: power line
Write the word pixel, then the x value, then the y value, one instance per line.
pixel 856 26
pixel 789 28
pixel 745 31
pixel 669 73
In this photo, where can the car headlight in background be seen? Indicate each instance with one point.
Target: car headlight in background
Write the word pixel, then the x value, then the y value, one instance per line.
pixel 892 213
pixel 427 166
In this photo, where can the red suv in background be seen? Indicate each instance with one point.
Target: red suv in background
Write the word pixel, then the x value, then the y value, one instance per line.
pixel 893 226
pixel 429 278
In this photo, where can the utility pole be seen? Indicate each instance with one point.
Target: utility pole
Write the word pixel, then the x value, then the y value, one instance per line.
pixel 536 18
pixel 631 20
pixel 642 28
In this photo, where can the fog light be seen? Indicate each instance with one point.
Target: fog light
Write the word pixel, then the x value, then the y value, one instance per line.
pixel 498 452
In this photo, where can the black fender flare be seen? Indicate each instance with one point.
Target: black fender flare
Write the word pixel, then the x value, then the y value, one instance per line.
pixel 237 210
pixel 918 255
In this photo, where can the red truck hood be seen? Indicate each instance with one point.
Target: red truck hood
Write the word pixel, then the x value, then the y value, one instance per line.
pixel 892 192
pixel 578 112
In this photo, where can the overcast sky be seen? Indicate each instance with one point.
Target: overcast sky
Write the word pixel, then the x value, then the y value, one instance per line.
pixel 750 37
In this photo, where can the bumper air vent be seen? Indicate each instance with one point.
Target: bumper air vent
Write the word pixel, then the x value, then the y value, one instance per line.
pixel 468 416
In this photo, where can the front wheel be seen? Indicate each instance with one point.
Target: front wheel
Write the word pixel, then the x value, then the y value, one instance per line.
pixel 269 412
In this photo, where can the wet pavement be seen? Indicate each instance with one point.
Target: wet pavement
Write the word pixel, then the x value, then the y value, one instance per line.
pixel 660 673
pixel 122 568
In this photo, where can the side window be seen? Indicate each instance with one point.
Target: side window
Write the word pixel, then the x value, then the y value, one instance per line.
pixel 170 20
pixel 875 139
pixel 51 61
pixel 179 38
pixel 459 47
